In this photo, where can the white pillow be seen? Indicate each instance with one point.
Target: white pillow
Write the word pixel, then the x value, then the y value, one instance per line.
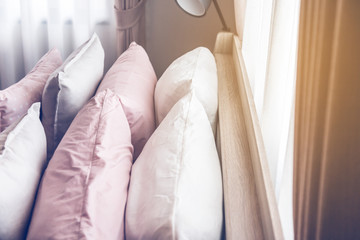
pixel 22 159
pixel 175 187
pixel 194 70
pixel 69 88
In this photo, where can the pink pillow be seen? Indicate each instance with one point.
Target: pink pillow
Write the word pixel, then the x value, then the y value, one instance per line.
pixel 132 77
pixel 84 189
pixel 17 99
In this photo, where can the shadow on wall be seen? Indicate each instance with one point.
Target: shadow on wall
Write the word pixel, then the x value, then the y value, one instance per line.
pixel 170 32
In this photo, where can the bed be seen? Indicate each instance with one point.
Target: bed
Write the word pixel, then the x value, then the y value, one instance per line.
pixel 73 184
pixel 249 201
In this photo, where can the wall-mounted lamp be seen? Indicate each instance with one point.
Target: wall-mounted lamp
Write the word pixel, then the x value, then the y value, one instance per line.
pixel 198 8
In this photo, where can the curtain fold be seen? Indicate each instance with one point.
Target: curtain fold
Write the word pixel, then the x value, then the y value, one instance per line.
pixel 29 28
pixel 327 131
pixel 130 21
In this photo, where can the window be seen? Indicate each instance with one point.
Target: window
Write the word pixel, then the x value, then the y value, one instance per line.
pixel 270 50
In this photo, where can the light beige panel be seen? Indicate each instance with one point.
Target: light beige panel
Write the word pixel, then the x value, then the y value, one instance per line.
pixel 241 203
pixel 240 6
pixel 250 207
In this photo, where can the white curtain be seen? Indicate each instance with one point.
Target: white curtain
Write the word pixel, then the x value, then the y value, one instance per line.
pixel 29 28
pixel 270 49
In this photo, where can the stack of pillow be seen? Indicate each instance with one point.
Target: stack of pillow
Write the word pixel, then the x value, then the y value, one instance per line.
pixel 90 133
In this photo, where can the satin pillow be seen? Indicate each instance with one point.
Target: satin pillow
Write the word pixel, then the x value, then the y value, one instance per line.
pixel 22 160
pixel 69 88
pixel 17 99
pixel 176 187
pixel 195 70
pixel 84 189
pixel 132 77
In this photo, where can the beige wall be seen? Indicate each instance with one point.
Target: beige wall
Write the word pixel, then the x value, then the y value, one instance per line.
pixel 170 32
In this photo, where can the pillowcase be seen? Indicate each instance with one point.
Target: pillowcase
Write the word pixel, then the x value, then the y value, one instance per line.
pixel 176 187
pixel 133 78
pixel 194 70
pixel 22 160
pixel 84 189
pixel 69 88
pixel 17 99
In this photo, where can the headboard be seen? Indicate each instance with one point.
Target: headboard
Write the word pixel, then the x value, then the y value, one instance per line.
pixel 249 200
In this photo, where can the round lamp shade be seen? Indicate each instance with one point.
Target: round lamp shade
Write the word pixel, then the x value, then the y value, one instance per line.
pixel 194 7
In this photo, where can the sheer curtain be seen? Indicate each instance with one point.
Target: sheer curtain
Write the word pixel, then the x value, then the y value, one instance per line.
pixel 29 28
pixel 270 49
